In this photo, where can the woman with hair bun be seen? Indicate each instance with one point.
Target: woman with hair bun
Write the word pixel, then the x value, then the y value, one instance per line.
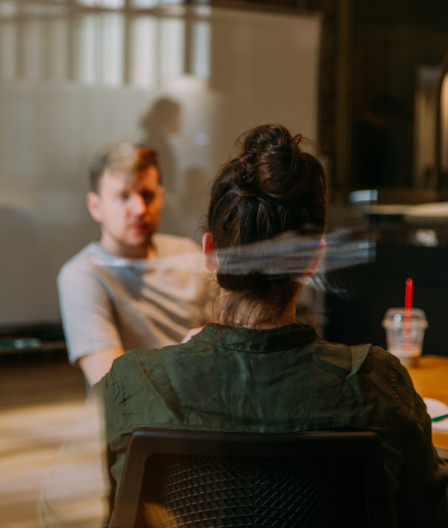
pixel 257 369
pixel 273 188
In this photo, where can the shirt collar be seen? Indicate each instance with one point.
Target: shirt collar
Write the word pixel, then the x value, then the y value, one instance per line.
pixel 249 339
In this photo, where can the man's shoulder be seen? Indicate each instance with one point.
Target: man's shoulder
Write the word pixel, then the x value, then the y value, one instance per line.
pixel 174 245
pixel 80 262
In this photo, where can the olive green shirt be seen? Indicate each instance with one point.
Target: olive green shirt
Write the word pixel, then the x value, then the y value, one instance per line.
pixel 281 380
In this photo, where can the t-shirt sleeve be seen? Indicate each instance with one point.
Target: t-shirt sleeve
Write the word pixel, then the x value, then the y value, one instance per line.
pixel 87 312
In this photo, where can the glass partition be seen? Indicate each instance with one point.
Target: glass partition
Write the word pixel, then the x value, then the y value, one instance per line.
pixel 187 80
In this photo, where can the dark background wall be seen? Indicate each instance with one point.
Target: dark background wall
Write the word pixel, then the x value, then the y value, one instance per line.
pixel 370 54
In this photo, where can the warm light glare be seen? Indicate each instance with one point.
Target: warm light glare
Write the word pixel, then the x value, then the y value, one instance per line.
pixel 444 123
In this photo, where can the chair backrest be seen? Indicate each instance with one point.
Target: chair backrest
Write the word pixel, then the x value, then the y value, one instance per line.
pixel 174 478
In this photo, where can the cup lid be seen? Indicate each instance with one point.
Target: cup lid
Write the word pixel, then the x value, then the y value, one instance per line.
pixel 395 317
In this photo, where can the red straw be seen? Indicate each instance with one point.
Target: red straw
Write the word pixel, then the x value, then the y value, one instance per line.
pixel 408 307
pixel 408 295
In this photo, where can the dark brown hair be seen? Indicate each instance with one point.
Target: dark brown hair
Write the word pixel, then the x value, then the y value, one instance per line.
pixel 273 187
pixel 123 156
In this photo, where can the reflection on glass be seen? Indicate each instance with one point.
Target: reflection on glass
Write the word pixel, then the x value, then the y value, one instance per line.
pixel 34 50
pixel 57 49
pixel 143 52
pixel 101 49
pixel 8 42
pixel 108 4
pixel 88 53
pixel 8 8
pixel 112 49
pixel 171 61
pixel 153 3
pixel 39 9
pixel 145 3
pixel 201 49
pixel 74 83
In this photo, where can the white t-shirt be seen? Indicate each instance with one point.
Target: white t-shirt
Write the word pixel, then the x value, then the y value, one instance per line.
pixel 108 301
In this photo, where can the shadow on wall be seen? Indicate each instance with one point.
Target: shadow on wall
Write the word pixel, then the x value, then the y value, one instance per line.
pixel 184 204
pixel 17 228
pixel 162 119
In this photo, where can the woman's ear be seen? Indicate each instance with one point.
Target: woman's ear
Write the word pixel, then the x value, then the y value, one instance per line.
pixel 208 248
pixel 314 264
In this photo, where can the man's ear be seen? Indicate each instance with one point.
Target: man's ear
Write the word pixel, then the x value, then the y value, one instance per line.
pixel 208 248
pixel 93 204
pixel 314 264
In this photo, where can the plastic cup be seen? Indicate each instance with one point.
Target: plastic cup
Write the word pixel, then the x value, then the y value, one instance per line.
pixel 404 333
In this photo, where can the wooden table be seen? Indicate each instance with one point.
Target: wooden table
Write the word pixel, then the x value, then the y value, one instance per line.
pixel 430 379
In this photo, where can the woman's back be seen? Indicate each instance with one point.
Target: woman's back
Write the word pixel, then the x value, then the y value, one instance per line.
pixel 260 371
pixel 277 381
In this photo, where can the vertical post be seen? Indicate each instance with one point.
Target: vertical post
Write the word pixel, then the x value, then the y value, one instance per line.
pixel 20 42
pixel 188 38
pixel 127 49
pixel 344 92
pixel 440 185
pixel 72 70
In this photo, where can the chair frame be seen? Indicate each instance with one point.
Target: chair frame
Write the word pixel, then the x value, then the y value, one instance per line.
pixel 146 441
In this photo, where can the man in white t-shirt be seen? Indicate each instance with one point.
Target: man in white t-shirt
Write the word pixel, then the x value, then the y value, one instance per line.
pixel 134 288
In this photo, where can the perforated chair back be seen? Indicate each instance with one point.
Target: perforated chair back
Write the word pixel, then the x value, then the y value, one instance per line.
pixel 181 478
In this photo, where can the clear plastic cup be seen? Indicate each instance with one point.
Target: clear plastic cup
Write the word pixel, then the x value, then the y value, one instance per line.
pixel 404 333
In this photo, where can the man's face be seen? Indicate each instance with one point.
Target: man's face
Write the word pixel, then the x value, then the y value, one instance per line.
pixel 128 207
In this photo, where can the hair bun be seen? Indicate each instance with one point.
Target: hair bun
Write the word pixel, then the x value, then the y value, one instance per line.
pixel 275 187
pixel 267 139
pixel 268 163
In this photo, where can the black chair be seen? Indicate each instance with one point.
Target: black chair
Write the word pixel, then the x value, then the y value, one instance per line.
pixel 177 478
